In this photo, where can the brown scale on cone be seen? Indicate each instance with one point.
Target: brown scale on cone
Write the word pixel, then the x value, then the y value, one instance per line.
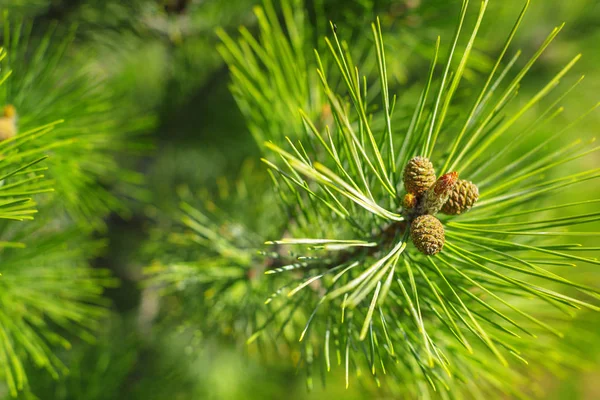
pixel 462 198
pixel 418 175
pixel 427 234
pixel 438 194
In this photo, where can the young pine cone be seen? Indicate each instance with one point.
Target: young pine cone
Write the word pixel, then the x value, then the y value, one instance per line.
pixel 409 201
pixel 439 193
pixel 418 176
pixel 462 198
pixel 427 234
pixel 8 123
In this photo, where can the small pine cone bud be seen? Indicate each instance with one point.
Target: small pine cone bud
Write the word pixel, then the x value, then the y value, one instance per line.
pixel 409 201
pixel 9 111
pixel 427 234
pixel 8 123
pixel 462 198
pixel 418 176
pixel 439 193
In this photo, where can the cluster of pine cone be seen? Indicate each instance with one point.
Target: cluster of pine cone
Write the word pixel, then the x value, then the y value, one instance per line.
pixel 426 196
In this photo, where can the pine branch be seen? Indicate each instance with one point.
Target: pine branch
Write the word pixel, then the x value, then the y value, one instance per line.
pixel 40 83
pixel 347 278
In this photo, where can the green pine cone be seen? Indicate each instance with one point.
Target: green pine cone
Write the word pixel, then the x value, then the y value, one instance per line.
pixel 427 234
pixel 462 198
pixel 419 175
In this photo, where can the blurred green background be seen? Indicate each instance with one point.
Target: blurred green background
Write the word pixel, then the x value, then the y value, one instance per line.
pixel 163 54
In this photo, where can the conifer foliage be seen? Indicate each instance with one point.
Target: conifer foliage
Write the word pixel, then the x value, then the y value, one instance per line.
pixel 422 250
pixel 406 227
pixel 60 136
